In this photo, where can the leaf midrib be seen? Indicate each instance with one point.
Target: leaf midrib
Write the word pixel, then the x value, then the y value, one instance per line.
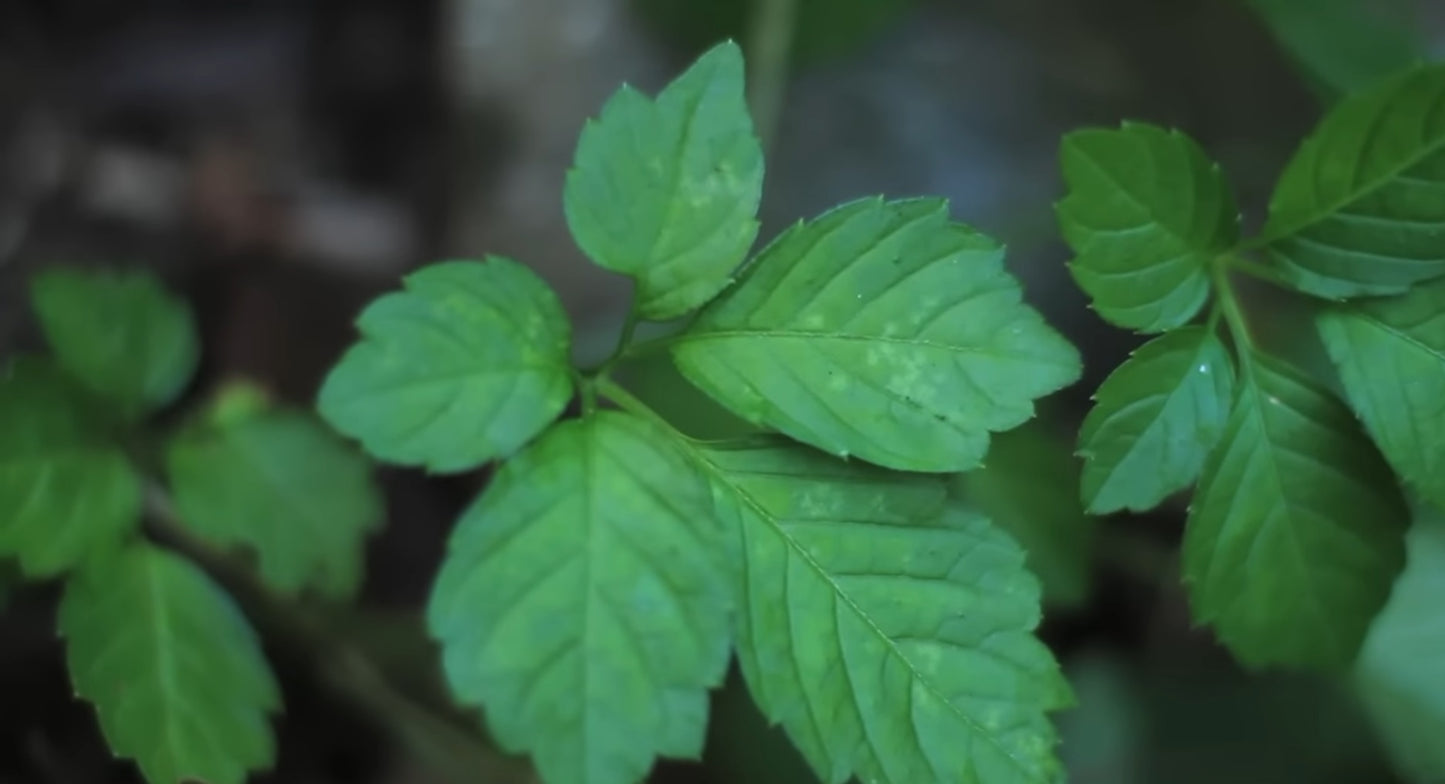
pixel 796 334
pixel 1143 206
pixel 746 498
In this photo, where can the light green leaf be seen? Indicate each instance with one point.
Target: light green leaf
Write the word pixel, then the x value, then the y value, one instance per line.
pixel 1297 528
pixel 890 633
pixel 1342 46
pixel 583 603
pixel 1400 675
pixel 1156 419
pixel 1360 209
pixel 466 365
pixel 667 191
pixel 1029 486
pixel 882 330
pixel 120 333
pixel 66 489
pixel 278 482
pixel 1146 212
pixel 175 672
pixel 1391 358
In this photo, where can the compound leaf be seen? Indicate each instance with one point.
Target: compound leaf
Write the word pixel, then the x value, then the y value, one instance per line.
pixel 667 191
pixel 1360 209
pixel 1156 418
pixel 883 330
pixel 280 483
pixel 464 366
pixel 1297 528
pixel 1029 487
pixel 120 333
pixel 1398 675
pixel 583 604
pixel 175 672
pixel 66 490
pixel 890 633
pixel 1391 357
pixel 1146 212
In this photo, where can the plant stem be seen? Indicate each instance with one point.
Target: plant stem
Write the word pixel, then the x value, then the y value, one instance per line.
pixel 1228 303
pixel 770 44
pixel 429 726
pixel 630 403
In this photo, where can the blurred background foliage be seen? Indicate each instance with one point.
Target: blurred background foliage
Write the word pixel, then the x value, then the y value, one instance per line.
pixel 280 162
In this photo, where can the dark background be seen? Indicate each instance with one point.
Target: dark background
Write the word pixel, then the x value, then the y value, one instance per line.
pixel 281 162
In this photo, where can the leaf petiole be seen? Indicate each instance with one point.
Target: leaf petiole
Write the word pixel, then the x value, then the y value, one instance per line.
pixel 1227 302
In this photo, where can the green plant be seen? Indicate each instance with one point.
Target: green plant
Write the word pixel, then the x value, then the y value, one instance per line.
pixel 592 594
pixel 1295 534
pixel 175 671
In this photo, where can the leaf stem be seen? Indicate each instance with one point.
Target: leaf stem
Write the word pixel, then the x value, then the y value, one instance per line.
pixel 770 43
pixel 630 403
pixel 429 726
pixel 1255 270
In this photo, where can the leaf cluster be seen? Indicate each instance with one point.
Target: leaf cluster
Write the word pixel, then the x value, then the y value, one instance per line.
pixel 595 590
pixel 1296 528
pixel 173 667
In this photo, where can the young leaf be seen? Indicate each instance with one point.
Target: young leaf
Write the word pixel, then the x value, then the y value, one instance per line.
pixel 583 604
pixel 1296 532
pixel 466 365
pixel 1391 358
pixel 1360 209
pixel 1156 419
pixel 120 333
pixel 66 491
pixel 1029 487
pixel 666 191
pixel 890 633
pixel 882 330
pixel 175 672
pixel 1146 212
pixel 280 483
pixel 1398 675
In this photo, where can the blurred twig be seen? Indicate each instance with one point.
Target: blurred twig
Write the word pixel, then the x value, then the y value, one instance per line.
pixel 771 25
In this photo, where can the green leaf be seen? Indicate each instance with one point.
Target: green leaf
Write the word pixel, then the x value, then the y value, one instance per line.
pixel 582 602
pixel 1343 46
pixel 466 365
pixel 1146 212
pixel 278 482
pixel 891 634
pixel 1156 419
pixel 120 333
pixel 1029 486
pixel 1391 358
pixel 667 191
pixel 1296 532
pixel 883 330
pixel 1360 209
pixel 1400 675
pixel 175 672
pixel 66 490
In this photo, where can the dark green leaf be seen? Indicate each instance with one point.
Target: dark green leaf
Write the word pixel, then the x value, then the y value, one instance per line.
pixel 278 482
pixel 890 633
pixel 666 191
pixel 1029 486
pixel 66 491
pixel 583 604
pixel 1360 209
pixel 465 366
pixel 1297 528
pixel 173 668
pixel 1401 671
pixel 1391 358
pixel 883 330
pixel 1146 213
pixel 1156 419
pixel 1343 46
pixel 120 333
